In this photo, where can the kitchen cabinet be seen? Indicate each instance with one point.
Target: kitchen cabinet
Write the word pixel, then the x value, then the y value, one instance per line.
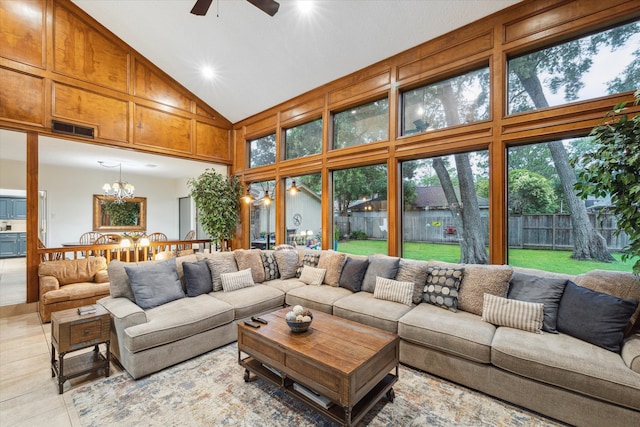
pixel 13 245
pixel 13 208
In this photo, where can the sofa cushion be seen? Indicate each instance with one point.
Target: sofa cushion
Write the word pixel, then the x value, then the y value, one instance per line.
pixel 74 292
pixel 362 307
pixel 252 300
pixel 379 266
pixel 197 278
pixel 413 271
pixel 287 260
pixel 307 257
pixel 333 262
pixel 547 291
pixel 319 298
pixel 251 259
pixel 177 320
pixel 73 270
pixel 285 285
pixel 393 290
pixel 482 279
pixel 353 273
pixel 236 280
pixel 513 313
pixel 312 275
pixel 617 283
pixel 270 266
pixel 594 317
pixel 221 263
pixel 461 334
pixel 568 362
pixel 442 286
pixel 154 284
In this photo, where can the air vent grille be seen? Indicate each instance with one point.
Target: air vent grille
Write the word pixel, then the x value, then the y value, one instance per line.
pixel 71 129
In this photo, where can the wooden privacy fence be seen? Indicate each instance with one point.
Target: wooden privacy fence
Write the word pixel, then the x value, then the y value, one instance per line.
pixel 536 231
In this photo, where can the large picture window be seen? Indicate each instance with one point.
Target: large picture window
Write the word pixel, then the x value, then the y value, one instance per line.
pixel 361 125
pixel 597 65
pixel 303 140
pixel 458 100
pixel 262 214
pixel 303 216
pixel 262 151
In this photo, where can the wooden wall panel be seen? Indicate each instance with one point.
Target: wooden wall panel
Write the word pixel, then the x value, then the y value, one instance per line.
pixel 22 38
pixel 540 21
pixel 148 84
pixel 293 113
pixel 21 97
pixel 157 129
pixel 212 142
pixel 265 125
pixel 82 52
pixel 108 115
pixel 359 88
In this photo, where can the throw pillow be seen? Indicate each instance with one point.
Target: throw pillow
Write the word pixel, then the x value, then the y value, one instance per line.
pixel 312 275
pixel 548 291
pixel 220 263
pixel 416 272
pixel 480 279
pixel 379 266
pixel 594 317
pixel 119 284
pixel 270 266
pixel 154 284
pixel 442 285
pixel 197 277
pixel 392 290
pixel 251 258
pixel 287 260
pixel 352 273
pixel 238 280
pixel 309 258
pixel 332 261
pixel 513 313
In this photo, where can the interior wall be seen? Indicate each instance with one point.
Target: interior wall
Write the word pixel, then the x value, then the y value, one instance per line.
pixel 12 176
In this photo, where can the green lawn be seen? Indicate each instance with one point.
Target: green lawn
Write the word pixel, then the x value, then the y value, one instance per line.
pixel 558 261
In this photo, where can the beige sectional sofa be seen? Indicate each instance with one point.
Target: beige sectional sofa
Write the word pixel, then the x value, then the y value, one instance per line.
pixel 556 374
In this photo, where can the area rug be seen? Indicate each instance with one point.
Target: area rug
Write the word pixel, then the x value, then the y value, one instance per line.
pixel 209 390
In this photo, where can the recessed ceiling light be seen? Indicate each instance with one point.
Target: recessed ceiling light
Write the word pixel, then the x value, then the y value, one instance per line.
pixel 305 6
pixel 208 72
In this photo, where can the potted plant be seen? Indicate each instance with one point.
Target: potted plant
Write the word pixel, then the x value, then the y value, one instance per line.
pixel 217 199
pixel 611 169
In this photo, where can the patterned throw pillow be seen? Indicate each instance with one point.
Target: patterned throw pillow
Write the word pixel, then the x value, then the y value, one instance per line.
pixel 310 259
pixel 312 276
pixel 441 287
pixel 513 313
pixel 392 290
pixel 238 280
pixel 271 271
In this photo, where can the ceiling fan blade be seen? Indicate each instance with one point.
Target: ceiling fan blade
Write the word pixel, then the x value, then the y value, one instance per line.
pixel 201 7
pixel 270 7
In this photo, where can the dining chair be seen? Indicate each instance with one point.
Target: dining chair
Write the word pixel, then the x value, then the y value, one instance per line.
pixel 89 237
pixel 157 237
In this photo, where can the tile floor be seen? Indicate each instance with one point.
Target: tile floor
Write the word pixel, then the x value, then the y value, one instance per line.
pixel 28 394
pixel 12 281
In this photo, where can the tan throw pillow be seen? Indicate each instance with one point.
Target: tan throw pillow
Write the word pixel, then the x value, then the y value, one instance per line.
pixel 251 258
pixel 238 280
pixel 513 313
pixel 312 275
pixel 482 279
pixel 332 262
pixel 392 290
pixel 220 263
pixel 287 260
pixel 416 272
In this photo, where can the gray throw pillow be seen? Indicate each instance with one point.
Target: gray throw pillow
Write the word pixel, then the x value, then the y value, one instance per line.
pixel 197 277
pixel 353 273
pixel 545 290
pixel 594 317
pixel 155 284
pixel 379 266
pixel 221 263
pixel 416 272
pixel 287 260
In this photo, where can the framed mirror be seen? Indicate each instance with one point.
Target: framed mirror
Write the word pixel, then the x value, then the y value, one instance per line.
pixel 128 216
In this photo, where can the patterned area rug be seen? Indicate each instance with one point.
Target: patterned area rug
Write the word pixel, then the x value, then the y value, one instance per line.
pixel 209 390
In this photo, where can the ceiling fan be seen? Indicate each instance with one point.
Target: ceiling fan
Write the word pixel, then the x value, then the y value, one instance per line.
pixel 269 7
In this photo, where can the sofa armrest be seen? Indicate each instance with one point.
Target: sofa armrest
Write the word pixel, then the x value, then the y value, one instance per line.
pixel 124 312
pixel 101 277
pixel 48 283
pixel 631 352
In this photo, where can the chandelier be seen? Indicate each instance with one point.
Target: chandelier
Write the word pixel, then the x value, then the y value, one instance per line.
pixel 120 189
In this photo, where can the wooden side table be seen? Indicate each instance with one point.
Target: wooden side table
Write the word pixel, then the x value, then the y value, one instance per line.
pixel 71 331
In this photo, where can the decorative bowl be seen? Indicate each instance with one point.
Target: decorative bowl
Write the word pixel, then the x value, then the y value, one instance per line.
pixel 298 327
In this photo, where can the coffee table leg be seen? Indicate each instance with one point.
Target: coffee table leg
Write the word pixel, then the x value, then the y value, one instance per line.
pixel 61 377
pixel 247 376
pixel 391 395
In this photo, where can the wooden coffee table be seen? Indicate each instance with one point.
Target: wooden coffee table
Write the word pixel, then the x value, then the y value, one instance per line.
pixel 350 365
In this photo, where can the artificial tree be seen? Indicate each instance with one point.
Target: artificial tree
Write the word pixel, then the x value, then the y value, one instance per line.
pixel 217 199
pixel 612 168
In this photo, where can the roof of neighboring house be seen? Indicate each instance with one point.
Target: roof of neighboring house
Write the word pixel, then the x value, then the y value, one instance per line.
pixel 431 197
